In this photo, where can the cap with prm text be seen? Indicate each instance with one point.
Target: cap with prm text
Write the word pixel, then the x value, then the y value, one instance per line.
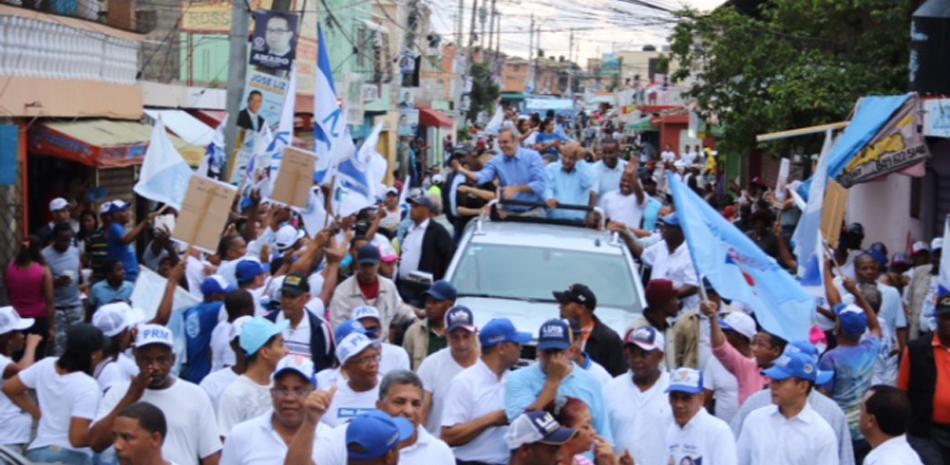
pixel 154 334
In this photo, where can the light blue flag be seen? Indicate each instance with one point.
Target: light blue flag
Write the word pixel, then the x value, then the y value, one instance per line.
pixel 740 270
pixel 354 171
pixel 331 137
pixel 807 240
pixel 164 176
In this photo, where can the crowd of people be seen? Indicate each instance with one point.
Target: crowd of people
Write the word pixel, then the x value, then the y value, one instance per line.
pixel 348 346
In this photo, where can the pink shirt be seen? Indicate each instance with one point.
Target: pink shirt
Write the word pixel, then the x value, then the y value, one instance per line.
pixel 25 289
pixel 745 369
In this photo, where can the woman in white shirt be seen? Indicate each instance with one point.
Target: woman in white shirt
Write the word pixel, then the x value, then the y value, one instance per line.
pixel 68 397
pixel 15 424
pixel 117 322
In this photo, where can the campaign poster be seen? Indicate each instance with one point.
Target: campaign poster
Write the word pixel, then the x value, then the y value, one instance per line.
pixel 274 43
pixel 263 100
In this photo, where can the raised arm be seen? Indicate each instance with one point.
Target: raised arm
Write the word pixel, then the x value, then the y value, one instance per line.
pixel 300 448
pixel 874 326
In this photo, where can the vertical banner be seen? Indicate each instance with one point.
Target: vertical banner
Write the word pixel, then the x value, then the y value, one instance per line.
pixel 273 45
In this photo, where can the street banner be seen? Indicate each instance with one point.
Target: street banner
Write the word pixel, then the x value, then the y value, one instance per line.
pixel 273 44
pixel 898 145
pixel 204 213
pixel 832 212
pixel 164 173
pixel 738 269
pixel 264 96
pixel 295 177
pixel 408 122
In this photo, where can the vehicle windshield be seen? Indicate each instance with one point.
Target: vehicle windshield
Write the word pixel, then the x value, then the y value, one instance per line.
pixel 532 273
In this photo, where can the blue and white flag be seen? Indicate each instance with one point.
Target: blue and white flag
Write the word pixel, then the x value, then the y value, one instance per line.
pixel 315 215
pixel 164 176
pixel 212 163
pixel 354 171
pixel 739 270
pixel 332 140
pixel 808 242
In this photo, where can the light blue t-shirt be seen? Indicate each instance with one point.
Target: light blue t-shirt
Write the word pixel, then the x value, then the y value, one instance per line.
pixel 524 386
pixel 853 367
pixel 102 293
pixel 569 188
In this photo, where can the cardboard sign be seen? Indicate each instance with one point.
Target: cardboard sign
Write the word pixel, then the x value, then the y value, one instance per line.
pixel 204 213
pixel 295 178
pixel 832 212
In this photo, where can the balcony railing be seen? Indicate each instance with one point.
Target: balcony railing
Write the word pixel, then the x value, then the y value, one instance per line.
pixel 32 48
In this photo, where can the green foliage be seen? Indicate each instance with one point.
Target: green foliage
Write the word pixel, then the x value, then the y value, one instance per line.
pixel 796 63
pixel 484 91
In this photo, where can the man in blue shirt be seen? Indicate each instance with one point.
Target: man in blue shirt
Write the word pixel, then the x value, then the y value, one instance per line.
pixel 554 377
pixel 570 182
pixel 120 240
pixel 519 171
pixel 199 322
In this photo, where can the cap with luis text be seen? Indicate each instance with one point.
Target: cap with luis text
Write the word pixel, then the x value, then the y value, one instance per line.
pixel 554 335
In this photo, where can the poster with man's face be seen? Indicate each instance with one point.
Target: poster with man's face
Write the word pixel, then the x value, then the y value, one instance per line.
pixel 275 34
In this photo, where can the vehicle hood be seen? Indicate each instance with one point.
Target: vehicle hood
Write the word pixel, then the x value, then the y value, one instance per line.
pixel 529 316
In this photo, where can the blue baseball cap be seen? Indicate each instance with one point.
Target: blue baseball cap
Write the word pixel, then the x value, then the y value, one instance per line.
pixel 794 363
pixel 671 220
pixel 117 206
pixel 257 332
pixel 216 284
pixel 853 319
pixel 499 331
pixel 459 316
pixel 808 349
pixel 537 427
pixel 442 290
pixel 346 328
pixel 367 255
pixel 373 434
pixel 247 270
pixel 686 380
pixel 943 302
pixel 554 335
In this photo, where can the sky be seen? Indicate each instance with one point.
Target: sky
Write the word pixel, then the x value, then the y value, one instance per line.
pixel 600 26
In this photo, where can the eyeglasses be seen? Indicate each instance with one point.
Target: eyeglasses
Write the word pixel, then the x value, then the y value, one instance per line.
pixel 365 361
pixel 300 393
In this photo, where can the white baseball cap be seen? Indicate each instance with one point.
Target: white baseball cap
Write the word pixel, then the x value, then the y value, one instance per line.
pixel 366 311
pixel 739 322
pixel 646 338
pixel 58 203
pixel 286 237
pixel 116 317
pixel 154 334
pixel 352 345
pixel 936 244
pixel 919 247
pixel 10 320
pixel 297 364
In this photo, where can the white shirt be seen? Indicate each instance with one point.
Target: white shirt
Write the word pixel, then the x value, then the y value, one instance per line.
pixel 624 208
pixel 392 357
pixel 347 403
pixel 120 370
pixel 598 372
pixel 297 340
pixel 255 442
pixel 705 439
pixel 242 400
pixel 216 382
pixel 608 179
pixel 639 420
pixel 676 266
pixel 768 438
pixel 476 392
pixel 437 372
pixel 412 249
pixel 725 388
pixel 893 451
pixel 61 398
pixel 195 273
pixel 667 156
pixel 15 424
pixel 188 413
pixel 221 354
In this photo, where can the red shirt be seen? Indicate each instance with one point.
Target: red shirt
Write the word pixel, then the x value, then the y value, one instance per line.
pixel 370 291
pixel 942 389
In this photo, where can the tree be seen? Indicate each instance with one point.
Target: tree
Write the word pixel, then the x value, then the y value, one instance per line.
pixel 485 91
pixel 791 63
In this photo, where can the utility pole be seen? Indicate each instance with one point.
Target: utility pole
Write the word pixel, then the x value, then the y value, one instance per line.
pixel 534 75
pixel 570 65
pixel 471 36
pixel 482 17
pixel 491 26
pixel 237 74
pixel 537 54
pixel 498 42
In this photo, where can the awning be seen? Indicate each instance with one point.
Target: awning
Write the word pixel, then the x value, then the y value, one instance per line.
pixel 212 118
pixel 101 143
pixel 432 118
pixel 640 125
pixel 182 124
